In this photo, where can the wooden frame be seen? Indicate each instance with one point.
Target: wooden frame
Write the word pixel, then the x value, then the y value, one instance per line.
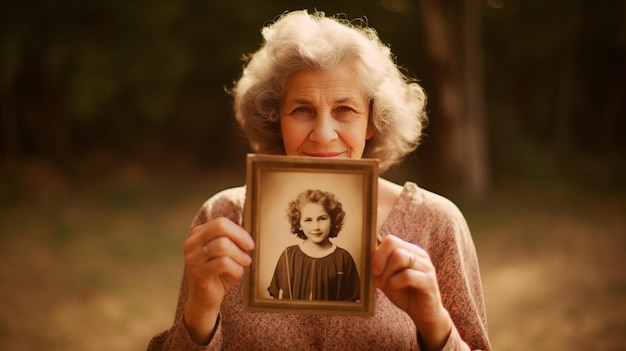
pixel 274 181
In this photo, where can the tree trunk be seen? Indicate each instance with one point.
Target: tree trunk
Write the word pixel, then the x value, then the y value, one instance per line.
pixel 479 169
pixel 10 129
pixel 457 127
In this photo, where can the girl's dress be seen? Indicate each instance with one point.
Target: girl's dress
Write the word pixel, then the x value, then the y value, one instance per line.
pixel 299 276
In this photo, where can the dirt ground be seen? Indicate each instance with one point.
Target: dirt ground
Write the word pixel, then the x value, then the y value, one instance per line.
pixel 96 266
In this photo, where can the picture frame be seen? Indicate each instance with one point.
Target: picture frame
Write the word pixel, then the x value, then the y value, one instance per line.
pixel 273 182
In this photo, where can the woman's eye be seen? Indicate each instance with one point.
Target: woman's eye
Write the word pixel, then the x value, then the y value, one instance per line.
pixel 301 109
pixel 345 109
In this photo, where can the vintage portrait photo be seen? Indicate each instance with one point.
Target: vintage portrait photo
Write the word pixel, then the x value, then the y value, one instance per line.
pixel 313 222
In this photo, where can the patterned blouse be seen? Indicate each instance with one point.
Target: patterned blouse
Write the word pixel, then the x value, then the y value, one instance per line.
pixel 420 217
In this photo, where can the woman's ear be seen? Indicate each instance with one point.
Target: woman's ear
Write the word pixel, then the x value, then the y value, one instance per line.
pixel 369 133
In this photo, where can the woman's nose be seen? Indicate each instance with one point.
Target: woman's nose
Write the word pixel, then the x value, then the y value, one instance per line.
pixel 324 129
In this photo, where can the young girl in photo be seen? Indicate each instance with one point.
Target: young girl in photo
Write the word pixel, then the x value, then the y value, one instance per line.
pixel 316 268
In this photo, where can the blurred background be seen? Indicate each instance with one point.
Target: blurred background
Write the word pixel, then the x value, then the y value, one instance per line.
pixel 115 125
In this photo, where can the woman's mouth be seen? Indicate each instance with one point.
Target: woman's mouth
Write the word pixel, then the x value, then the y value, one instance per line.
pixel 325 154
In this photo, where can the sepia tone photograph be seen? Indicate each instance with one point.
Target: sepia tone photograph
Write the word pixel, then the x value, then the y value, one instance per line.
pixel 124 132
pixel 313 222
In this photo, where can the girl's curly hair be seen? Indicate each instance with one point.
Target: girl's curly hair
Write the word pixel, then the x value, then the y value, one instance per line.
pixel 331 205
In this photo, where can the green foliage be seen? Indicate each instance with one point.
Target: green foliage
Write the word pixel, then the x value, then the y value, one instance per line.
pixel 150 75
pixel 98 54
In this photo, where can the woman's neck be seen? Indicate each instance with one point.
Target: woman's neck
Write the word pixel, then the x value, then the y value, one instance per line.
pixel 388 194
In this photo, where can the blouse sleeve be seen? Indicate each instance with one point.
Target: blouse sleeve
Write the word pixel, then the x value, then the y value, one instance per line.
pixel 453 254
pixel 229 204
pixel 436 224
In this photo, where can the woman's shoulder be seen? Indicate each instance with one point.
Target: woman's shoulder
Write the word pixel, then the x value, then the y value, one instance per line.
pixel 235 195
pixel 419 212
pixel 225 203
pixel 424 217
pixel 425 202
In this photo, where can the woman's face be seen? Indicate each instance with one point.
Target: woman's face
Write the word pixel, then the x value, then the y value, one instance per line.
pixel 315 223
pixel 325 113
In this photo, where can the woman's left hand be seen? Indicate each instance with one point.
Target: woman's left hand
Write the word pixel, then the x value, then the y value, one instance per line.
pixel 405 273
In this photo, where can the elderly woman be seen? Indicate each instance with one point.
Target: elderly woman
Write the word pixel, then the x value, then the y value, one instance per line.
pixel 322 87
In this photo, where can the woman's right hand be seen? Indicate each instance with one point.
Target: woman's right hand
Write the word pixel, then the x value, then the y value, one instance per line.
pixel 216 254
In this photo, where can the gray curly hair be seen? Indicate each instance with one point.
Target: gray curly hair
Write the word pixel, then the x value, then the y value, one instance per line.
pixel 302 41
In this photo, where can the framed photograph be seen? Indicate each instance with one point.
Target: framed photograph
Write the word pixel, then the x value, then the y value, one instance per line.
pixel 313 222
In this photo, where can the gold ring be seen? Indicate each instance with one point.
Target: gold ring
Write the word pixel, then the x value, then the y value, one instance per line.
pixel 411 261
